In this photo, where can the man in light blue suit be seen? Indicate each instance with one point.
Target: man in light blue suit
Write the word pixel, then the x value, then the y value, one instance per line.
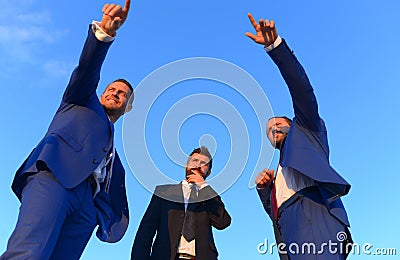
pixel 303 197
pixel 74 180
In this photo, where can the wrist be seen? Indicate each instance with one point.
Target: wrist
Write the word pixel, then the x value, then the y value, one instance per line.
pixel 101 33
pixel 273 45
pixel 110 33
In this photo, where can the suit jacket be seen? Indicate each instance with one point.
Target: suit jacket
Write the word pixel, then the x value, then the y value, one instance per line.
pixel 306 146
pixel 78 138
pixel 164 217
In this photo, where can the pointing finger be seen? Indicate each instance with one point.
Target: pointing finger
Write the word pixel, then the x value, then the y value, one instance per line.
pixel 253 22
pixel 127 6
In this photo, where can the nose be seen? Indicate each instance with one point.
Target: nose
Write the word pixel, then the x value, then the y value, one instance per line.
pixel 115 94
pixel 196 165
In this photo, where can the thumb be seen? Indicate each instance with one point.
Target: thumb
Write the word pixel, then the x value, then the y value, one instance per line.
pixel 251 36
pixel 272 173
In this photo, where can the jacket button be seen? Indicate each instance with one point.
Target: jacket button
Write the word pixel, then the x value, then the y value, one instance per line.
pixel 105 149
pixel 94 161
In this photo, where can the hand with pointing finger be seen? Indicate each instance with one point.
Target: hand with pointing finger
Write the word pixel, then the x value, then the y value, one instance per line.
pixel 113 17
pixel 266 33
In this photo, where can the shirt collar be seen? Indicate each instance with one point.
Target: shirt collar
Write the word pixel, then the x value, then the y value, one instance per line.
pixel 188 185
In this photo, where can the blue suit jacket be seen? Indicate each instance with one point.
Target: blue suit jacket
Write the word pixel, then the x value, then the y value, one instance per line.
pixel 79 137
pixel 306 146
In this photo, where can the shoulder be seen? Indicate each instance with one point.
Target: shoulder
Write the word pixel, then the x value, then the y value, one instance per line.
pixel 169 191
pixel 167 187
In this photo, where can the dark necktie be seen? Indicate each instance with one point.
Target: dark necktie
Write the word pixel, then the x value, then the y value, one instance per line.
pixel 110 160
pixel 188 222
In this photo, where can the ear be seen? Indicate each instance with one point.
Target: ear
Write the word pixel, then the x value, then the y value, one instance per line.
pixel 128 107
pixel 208 172
pixel 129 103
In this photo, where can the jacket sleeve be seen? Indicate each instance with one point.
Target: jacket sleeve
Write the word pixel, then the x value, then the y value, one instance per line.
pixel 304 101
pixel 85 78
pixel 147 229
pixel 265 197
pixel 212 203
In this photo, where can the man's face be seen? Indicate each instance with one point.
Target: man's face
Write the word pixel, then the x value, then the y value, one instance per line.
pixel 115 99
pixel 197 163
pixel 277 129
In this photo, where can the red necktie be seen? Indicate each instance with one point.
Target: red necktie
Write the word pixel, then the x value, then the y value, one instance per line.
pixel 274 203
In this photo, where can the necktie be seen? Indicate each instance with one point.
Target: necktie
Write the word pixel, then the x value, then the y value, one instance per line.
pixel 109 168
pixel 274 203
pixel 188 222
pixel 112 156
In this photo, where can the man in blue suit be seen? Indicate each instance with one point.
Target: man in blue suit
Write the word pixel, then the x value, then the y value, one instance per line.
pixel 303 197
pixel 74 180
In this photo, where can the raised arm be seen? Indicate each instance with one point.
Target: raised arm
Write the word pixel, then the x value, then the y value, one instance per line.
pixel 304 102
pixel 85 77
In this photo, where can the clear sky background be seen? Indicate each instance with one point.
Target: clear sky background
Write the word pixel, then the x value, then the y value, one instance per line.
pixel 350 50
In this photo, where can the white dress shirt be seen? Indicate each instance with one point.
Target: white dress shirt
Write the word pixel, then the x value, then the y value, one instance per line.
pixel 186 247
pixel 288 181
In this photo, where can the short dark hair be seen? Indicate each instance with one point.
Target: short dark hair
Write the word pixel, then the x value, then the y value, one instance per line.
pixel 287 119
pixel 204 151
pixel 123 81
pixel 131 97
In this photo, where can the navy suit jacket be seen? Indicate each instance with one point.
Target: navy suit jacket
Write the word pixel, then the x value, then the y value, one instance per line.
pixel 306 146
pixel 164 217
pixel 79 137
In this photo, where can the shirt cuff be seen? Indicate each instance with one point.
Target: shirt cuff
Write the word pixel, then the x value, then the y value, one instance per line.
pixel 274 45
pixel 100 34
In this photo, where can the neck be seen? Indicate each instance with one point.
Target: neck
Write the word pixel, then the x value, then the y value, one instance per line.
pixel 113 119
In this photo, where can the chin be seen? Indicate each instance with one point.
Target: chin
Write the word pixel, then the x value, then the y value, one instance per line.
pixel 276 144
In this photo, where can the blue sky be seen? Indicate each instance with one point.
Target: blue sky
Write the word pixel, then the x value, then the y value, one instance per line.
pixel 348 48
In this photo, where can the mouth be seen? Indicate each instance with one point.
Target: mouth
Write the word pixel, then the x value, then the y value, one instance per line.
pixel 196 170
pixel 277 131
pixel 113 101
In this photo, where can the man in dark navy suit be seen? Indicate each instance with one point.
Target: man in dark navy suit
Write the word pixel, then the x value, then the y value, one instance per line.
pixel 303 197
pixel 181 216
pixel 74 180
